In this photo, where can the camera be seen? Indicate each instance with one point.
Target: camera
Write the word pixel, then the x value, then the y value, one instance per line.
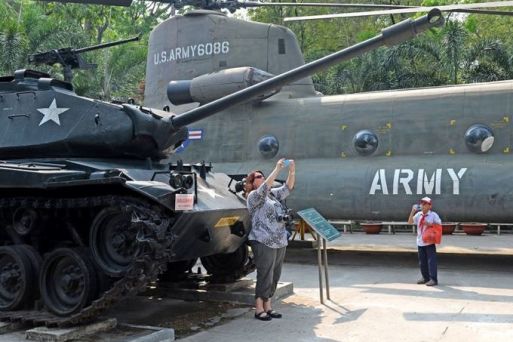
pixel 239 186
pixel 286 216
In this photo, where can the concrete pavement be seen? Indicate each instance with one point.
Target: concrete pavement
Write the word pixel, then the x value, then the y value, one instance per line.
pixel 375 298
pixel 381 302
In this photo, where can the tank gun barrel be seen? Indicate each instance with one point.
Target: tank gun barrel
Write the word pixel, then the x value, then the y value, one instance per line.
pixel 389 36
pixel 106 45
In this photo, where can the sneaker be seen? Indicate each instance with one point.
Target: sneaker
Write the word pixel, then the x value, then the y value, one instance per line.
pixel 421 281
pixel 431 283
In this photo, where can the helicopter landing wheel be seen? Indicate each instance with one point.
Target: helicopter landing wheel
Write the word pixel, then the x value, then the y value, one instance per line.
pixel 176 270
pixel 16 278
pixel 68 281
pixel 113 244
pixel 228 265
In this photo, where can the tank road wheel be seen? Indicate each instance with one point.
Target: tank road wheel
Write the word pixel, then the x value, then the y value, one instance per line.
pixel 16 278
pixel 176 270
pixel 24 221
pixel 231 264
pixel 36 262
pixel 68 281
pixel 113 244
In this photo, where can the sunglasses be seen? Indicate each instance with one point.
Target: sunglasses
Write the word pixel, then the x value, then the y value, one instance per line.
pixel 259 176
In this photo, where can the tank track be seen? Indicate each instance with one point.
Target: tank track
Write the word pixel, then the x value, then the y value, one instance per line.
pixel 154 243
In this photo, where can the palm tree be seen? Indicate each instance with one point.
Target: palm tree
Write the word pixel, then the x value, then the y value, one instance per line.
pixel 453 42
pixel 488 60
pixel 13 48
pixel 416 63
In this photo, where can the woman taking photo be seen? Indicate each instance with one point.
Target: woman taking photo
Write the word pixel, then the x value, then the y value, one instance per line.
pixel 268 236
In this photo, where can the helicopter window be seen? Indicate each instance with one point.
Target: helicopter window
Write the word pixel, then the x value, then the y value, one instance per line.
pixel 281 46
pixel 479 138
pixel 222 64
pixel 365 142
pixel 268 146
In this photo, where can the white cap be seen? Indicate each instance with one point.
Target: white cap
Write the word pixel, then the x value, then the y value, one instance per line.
pixel 425 200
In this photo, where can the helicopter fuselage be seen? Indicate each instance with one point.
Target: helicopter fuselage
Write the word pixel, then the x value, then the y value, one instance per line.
pixel 421 150
pixel 364 156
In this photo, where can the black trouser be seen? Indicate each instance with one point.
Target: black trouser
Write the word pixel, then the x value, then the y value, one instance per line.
pixel 268 263
pixel 427 262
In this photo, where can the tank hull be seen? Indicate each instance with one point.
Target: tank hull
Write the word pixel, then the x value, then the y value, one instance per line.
pixel 105 229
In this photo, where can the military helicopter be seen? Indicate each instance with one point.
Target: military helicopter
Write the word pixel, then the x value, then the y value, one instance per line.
pixel 363 156
pixel 91 211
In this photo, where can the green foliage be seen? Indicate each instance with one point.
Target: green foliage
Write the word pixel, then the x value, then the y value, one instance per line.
pixel 27 27
pixel 453 43
pixel 471 24
pixel 13 45
pixel 488 60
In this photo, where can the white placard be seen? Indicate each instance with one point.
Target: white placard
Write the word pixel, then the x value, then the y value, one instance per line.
pixel 184 201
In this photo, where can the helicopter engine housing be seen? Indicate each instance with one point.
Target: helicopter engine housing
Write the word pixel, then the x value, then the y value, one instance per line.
pixel 213 86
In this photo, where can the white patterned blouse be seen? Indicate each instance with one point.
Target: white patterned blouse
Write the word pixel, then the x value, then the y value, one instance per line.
pixel 264 208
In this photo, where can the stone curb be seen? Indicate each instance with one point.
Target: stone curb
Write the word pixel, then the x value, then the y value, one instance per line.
pixel 158 334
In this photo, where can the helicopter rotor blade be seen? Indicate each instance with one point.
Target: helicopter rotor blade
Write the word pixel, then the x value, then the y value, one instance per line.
pixel 448 8
pixel 232 5
pixel 318 4
pixel 479 11
pixel 355 5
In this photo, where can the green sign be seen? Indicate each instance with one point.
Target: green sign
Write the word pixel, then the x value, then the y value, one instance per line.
pixel 319 224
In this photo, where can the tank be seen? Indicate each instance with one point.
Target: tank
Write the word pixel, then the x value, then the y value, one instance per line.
pixel 91 212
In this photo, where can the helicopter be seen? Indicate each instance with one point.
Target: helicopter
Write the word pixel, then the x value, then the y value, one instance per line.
pixel 362 156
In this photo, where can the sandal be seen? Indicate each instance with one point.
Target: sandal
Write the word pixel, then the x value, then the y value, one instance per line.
pixel 274 314
pixel 260 316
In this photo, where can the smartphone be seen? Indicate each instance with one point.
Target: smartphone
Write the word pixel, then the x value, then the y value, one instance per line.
pixel 286 162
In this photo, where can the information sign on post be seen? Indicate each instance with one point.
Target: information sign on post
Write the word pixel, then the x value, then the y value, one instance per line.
pixel 319 224
pixel 325 231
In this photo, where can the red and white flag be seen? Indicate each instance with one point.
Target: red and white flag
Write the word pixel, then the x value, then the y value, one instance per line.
pixel 195 134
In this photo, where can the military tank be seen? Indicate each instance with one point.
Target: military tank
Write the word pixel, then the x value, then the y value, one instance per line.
pixel 90 210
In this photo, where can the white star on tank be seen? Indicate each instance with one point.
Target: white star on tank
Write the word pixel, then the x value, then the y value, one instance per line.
pixel 52 113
